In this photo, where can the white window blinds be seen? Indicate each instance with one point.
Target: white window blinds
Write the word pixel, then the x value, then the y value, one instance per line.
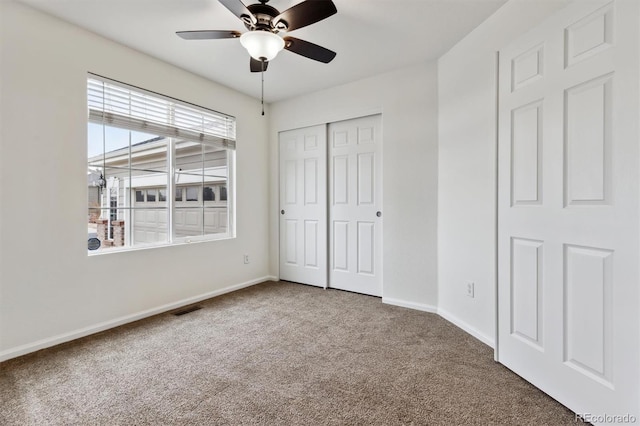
pixel 119 105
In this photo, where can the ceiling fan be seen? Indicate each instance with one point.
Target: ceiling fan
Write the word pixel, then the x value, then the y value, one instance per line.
pixel 264 23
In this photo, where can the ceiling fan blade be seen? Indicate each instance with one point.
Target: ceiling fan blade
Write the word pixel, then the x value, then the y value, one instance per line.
pixel 309 50
pixel 207 34
pixel 239 9
pixel 306 13
pixel 256 65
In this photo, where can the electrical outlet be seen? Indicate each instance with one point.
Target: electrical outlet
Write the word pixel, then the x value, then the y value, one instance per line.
pixel 470 289
pixel 246 258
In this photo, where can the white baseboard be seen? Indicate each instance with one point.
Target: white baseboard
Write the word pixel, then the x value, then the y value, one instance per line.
pixel 444 314
pixel 86 331
pixel 466 327
pixel 410 305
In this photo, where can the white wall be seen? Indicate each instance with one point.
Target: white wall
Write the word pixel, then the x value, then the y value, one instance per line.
pixel 467 165
pixel 408 102
pixel 50 290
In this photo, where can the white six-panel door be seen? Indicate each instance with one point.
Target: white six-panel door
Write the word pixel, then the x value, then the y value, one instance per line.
pixel 303 205
pixel 355 199
pixel 568 207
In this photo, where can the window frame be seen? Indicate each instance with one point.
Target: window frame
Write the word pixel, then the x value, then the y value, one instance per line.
pixel 172 188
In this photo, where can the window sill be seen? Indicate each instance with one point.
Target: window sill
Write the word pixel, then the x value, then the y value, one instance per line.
pixel 179 242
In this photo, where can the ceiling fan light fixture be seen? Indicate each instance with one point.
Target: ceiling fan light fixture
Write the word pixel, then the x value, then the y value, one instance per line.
pixel 262 44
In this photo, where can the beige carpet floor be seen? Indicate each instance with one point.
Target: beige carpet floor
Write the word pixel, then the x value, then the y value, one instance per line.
pixel 274 354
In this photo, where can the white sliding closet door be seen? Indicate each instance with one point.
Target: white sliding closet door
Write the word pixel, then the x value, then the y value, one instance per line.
pixel 568 207
pixel 303 205
pixel 355 182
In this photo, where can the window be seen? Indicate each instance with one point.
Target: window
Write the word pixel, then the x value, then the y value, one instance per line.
pixel 208 194
pixel 157 164
pixel 192 193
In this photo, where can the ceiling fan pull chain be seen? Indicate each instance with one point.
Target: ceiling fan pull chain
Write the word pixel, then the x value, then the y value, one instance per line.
pixel 262 95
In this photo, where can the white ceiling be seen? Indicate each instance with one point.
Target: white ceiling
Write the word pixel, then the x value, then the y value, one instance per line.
pixel 370 37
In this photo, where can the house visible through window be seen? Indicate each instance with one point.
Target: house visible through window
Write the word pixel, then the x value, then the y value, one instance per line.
pixel 160 167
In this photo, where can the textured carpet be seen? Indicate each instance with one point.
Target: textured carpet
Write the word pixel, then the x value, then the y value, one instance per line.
pixel 275 353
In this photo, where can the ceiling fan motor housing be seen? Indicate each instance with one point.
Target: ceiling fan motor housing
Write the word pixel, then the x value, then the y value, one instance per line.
pixel 264 15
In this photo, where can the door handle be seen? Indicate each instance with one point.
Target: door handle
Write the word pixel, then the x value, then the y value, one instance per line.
pixel 378 213
pixel 281 211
